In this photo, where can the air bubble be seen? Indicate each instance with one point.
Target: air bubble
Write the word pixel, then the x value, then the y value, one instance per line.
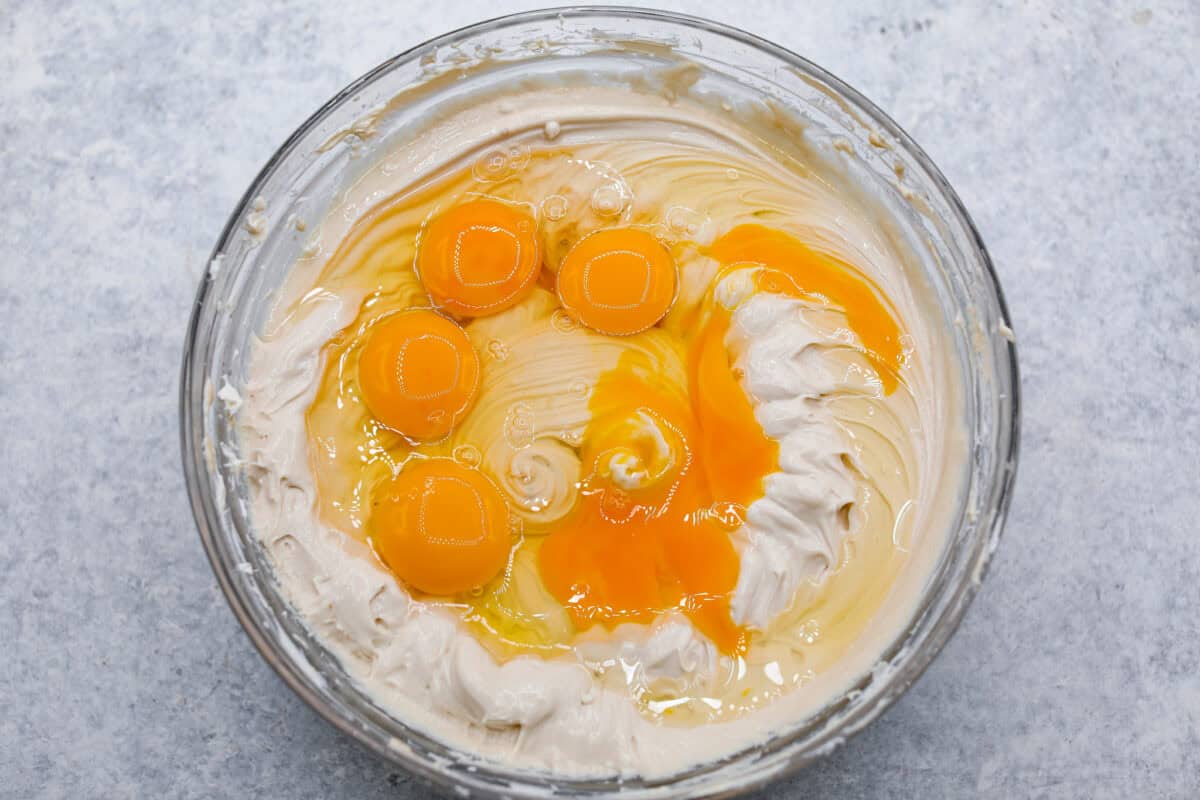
pixel 555 207
pixel 610 199
pixel 492 165
pixel 500 163
pixel 684 221
pixel 498 350
pixel 518 426
pixel 467 454
pixel 562 321
pixel 518 156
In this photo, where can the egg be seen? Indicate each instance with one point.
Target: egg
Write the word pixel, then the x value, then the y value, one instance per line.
pixel 442 527
pixel 734 473
pixel 617 281
pixel 418 374
pixel 789 266
pixel 570 446
pixel 644 540
pixel 479 257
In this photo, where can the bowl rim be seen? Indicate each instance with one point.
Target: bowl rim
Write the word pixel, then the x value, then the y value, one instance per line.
pixel 191 439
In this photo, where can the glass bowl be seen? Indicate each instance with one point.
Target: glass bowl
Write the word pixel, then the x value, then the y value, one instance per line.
pixel 317 160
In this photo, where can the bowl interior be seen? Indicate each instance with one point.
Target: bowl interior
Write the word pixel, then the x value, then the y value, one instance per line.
pixel 392 101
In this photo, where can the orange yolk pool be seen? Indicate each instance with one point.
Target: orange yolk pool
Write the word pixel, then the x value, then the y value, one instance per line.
pixel 734 471
pixel 630 553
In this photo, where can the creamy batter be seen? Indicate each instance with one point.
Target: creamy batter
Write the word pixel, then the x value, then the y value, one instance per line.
pixel 830 553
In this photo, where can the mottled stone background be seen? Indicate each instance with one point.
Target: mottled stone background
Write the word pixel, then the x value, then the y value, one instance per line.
pixel 129 130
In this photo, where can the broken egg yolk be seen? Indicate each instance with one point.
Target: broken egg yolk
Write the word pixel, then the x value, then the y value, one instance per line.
pixel 617 281
pixel 418 374
pixel 733 450
pixel 479 258
pixel 442 527
pixel 666 471
pixel 646 537
pixel 792 267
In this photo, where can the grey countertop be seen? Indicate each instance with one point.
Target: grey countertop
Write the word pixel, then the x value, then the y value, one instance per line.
pixel 129 130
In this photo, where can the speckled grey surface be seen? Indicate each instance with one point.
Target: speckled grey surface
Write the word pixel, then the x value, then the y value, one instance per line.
pixel 127 133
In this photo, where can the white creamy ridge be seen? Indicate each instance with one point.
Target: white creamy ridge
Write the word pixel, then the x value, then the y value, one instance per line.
pixel 810 393
pixel 793 533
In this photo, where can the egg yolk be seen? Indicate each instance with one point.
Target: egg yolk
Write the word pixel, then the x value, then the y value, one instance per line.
pixel 792 267
pixel 733 450
pixel 666 471
pixel 418 374
pixel 441 527
pixel 618 281
pixel 645 538
pixel 479 258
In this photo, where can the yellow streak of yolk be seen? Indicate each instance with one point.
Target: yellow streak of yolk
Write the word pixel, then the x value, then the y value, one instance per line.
pixel 735 454
pixel 628 556
pixel 792 267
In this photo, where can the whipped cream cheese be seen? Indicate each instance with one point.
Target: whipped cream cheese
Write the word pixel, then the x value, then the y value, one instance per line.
pixel 833 556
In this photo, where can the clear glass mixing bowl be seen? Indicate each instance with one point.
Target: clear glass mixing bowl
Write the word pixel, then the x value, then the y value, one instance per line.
pixel 315 162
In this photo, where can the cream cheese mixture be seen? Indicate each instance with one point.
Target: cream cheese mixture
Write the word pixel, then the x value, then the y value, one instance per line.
pixel 769 356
